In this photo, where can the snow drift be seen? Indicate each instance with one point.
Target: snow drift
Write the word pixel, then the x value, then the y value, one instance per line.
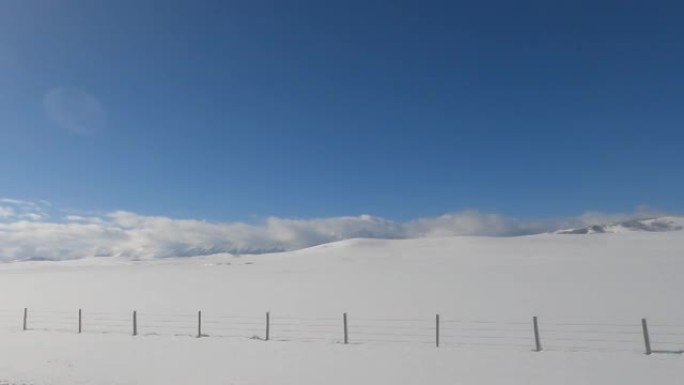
pixel 589 292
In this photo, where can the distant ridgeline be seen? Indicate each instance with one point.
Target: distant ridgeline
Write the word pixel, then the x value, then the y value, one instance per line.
pixel 653 225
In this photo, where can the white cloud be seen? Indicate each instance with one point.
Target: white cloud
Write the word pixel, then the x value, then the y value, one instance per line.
pixel 123 233
pixel 19 202
pixel 33 216
pixel 470 223
pixel 6 212
pixel 75 110
pixel 16 209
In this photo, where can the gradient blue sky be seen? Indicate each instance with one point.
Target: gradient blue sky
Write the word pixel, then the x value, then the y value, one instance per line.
pixel 234 110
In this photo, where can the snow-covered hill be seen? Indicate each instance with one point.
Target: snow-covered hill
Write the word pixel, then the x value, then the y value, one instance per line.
pixel 589 293
pixel 651 224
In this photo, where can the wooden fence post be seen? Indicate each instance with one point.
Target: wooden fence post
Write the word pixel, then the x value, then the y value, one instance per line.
pixel 80 321
pixel 647 339
pixel 268 326
pixel 537 340
pixel 346 332
pixel 25 318
pixel 437 330
pixel 135 323
pixel 199 324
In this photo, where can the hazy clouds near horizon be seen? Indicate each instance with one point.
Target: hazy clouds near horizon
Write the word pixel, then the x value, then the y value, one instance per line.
pixel 30 230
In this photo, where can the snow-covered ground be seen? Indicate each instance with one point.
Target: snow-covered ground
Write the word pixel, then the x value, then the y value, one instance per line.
pixel 589 292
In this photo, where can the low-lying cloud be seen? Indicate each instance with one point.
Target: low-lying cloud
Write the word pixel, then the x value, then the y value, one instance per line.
pixel 28 230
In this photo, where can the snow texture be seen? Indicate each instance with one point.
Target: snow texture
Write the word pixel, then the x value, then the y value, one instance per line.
pixel 589 292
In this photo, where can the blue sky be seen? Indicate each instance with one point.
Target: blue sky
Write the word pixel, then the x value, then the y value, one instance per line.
pixel 235 111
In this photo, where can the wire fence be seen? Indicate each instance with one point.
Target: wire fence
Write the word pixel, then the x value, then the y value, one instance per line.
pixel 436 331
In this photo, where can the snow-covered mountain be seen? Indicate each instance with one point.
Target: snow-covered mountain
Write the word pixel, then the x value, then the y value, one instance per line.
pixel 651 224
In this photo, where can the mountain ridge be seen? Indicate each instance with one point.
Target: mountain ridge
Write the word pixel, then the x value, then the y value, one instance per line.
pixel 657 224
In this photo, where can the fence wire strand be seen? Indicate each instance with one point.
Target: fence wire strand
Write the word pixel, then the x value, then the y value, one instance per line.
pixel 555 336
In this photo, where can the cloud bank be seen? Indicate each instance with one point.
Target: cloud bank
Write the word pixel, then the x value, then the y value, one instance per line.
pixel 29 231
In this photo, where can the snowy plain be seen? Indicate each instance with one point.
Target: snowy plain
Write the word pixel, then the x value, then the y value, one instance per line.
pixel 589 291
